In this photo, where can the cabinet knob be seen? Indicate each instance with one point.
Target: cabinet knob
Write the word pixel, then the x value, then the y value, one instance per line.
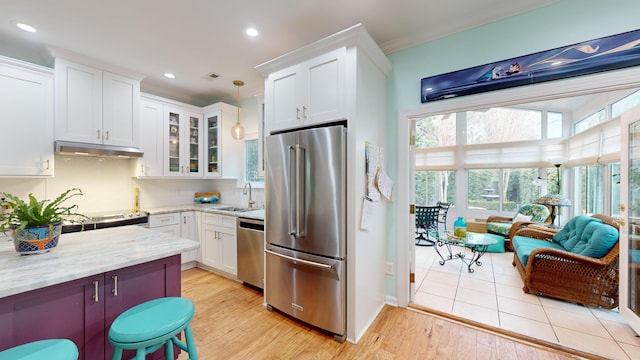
pixel 99 136
pixel 304 112
pixel 106 134
pixel 298 113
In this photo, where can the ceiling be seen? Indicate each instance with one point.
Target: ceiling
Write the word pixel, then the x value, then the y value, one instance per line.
pixel 194 38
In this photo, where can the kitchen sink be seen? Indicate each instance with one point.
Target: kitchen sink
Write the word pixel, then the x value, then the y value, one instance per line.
pixel 234 209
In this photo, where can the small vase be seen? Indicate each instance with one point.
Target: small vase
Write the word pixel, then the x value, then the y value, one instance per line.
pixel 36 240
pixel 460 227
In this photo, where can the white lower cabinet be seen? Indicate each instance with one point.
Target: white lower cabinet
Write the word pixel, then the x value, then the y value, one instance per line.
pixel 181 224
pixel 219 248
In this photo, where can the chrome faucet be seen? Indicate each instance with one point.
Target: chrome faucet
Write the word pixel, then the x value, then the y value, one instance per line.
pixel 244 192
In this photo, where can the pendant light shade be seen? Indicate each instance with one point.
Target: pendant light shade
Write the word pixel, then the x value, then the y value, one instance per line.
pixel 237 131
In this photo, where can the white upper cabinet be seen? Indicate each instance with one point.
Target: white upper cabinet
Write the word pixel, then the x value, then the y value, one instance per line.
pixel 311 92
pixel 151 139
pixel 182 142
pixel 223 154
pixel 95 106
pixel 185 141
pixel 120 110
pixel 26 100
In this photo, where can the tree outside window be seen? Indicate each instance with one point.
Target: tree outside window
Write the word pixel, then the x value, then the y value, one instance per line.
pixel 487 191
pixel 499 125
pixel 434 186
pixel 251 162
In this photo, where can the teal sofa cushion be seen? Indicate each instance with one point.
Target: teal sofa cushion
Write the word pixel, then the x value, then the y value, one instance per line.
pixel 603 239
pixel 572 233
pixel 582 235
pixel 523 246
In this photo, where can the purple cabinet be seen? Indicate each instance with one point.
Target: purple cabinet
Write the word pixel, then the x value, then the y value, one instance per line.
pixel 82 310
pixel 66 310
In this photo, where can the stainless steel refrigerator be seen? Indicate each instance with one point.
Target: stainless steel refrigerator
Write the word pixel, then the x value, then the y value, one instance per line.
pixel 305 226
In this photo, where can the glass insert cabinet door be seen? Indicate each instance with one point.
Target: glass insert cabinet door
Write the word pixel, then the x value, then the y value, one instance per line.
pixel 212 146
pixel 183 146
pixel 194 144
pixel 174 142
pixel 629 292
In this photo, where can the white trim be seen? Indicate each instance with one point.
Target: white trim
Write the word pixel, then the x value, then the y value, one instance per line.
pixel 391 301
pixel 607 81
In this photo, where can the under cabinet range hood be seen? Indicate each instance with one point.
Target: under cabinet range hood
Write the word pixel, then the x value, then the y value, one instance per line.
pixel 87 149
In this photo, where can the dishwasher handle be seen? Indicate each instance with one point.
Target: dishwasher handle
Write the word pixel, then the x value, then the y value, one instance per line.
pixel 250 224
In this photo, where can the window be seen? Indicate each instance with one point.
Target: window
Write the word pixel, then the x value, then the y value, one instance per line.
pixel 498 125
pixel 554 125
pixel 614 170
pixel 434 186
pixel 251 162
pixel 590 121
pixel 502 189
pixel 589 196
pixel 625 104
pixel 553 180
pixel 434 131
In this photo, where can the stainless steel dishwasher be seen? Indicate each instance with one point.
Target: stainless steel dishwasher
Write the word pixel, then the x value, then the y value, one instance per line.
pixel 251 251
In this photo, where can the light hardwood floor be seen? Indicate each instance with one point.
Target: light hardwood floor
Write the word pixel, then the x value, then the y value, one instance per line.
pixel 231 323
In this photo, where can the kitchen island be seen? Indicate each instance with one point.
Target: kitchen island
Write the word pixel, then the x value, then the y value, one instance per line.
pixel 76 290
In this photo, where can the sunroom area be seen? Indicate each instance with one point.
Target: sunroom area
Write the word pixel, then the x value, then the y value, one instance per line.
pixel 490 157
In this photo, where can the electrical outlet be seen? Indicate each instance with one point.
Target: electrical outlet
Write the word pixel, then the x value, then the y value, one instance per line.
pixel 389 269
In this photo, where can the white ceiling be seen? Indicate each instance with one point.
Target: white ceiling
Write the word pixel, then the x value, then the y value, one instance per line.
pixel 193 38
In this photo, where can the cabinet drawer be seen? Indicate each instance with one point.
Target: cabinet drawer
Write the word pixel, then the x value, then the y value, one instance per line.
pixel 220 220
pixel 164 219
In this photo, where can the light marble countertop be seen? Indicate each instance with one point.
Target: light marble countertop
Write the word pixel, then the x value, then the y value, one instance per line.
pixel 257 213
pixel 83 254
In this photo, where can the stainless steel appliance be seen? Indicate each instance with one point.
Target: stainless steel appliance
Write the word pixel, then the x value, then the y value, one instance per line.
pixel 305 226
pixel 107 220
pixel 251 251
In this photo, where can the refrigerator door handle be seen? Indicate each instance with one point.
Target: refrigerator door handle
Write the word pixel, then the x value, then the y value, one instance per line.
pixel 296 200
pixel 300 182
pixel 306 262
pixel 292 180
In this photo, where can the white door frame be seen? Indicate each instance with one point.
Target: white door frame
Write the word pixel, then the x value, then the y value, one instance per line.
pixel 607 81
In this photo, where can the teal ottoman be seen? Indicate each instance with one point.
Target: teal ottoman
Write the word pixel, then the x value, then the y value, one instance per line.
pixel 497 247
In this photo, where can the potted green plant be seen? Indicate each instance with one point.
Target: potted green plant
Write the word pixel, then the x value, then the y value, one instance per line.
pixel 36 224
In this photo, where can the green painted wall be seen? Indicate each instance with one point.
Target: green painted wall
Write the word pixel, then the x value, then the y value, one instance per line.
pixel 563 23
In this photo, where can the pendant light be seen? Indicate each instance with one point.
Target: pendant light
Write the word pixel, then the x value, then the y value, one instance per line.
pixel 237 131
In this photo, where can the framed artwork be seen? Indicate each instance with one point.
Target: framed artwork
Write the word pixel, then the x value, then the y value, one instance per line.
pixel 603 54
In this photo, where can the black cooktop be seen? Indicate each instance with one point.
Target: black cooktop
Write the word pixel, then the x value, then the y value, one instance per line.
pixel 103 221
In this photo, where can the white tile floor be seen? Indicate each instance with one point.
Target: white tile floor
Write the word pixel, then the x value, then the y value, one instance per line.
pixel 493 295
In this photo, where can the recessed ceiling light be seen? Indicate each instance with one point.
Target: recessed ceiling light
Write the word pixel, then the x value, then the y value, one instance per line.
pixel 252 32
pixel 169 76
pixel 26 27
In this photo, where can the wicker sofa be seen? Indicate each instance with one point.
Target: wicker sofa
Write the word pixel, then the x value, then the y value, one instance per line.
pixel 578 263
pixel 507 226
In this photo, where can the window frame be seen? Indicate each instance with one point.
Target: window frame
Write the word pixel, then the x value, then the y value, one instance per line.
pixel 251 138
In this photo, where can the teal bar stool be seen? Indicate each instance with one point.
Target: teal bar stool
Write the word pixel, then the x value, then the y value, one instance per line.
pixel 153 324
pixel 51 349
